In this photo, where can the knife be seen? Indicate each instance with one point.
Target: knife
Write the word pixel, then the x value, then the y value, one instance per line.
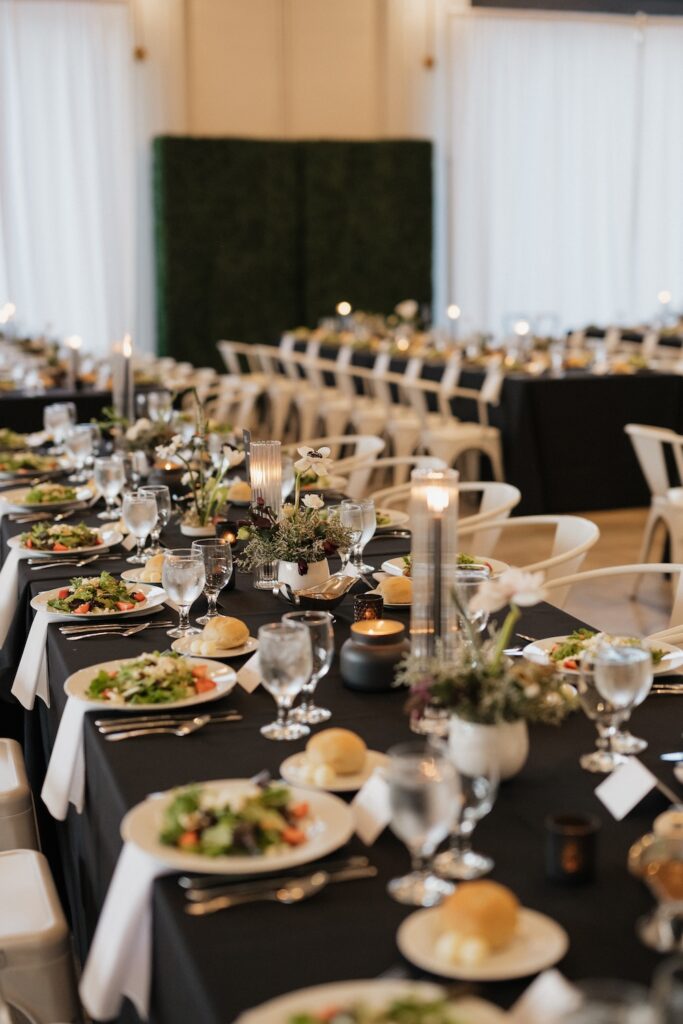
pixel 106 725
pixel 209 903
pixel 199 883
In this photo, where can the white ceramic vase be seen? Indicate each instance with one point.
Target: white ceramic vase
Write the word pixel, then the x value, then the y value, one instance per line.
pixel 198 531
pixel 288 572
pixel 472 745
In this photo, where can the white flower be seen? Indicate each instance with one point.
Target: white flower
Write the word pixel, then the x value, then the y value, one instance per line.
pixel 512 587
pixel 231 457
pixel 407 310
pixel 313 501
pixel 186 479
pixel 532 690
pixel 132 433
pixel 166 451
pixel 317 459
pixel 552 699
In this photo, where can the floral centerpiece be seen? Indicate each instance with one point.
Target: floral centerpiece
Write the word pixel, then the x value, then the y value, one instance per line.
pixel 302 537
pixel 490 695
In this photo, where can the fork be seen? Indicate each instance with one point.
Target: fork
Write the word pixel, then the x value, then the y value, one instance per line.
pixel 182 730
pixel 112 632
pixel 49 563
pixel 109 625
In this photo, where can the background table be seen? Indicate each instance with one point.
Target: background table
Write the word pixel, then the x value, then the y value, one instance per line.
pixel 24 413
pixel 210 969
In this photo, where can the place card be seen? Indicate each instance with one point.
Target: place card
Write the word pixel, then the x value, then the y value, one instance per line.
pixel 249 676
pixel 547 999
pixel 371 808
pixel 129 542
pixel 626 787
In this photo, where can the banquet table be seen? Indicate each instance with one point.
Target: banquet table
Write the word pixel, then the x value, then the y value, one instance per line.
pixel 24 413
pixel 210 969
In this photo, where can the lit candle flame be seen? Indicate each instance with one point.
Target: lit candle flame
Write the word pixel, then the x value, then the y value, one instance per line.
pixel 664 297
pixel 453 311
pixel 343 308
pixel 437 498
pixel 127 346
pixel 74 342
pixel 522 327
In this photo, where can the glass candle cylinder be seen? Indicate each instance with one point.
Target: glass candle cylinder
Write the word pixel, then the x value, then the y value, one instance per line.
pixel 122 379
pixel 367 606
pixel 265 478
pixel 434 558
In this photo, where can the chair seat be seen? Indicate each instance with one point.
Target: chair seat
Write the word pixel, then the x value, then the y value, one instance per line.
pixel 31 914
pixel 458 429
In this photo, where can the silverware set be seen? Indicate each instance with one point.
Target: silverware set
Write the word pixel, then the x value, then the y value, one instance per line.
pixel 161 725
pixel 110 629
pixel 49 563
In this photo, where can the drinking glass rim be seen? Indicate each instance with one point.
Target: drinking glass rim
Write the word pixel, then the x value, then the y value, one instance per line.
pixel 184 554
pixel 273 628
pixel 154 489
pixel 311 614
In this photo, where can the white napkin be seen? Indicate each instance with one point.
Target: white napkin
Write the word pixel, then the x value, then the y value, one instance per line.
pixel 65 776
pixel 8 589
pixel 120 960
pixel 249 676
pixel 547 999
pixel 31 678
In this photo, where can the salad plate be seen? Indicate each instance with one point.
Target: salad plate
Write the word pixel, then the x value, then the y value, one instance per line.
pixel 324 483
pixel 107 683
pixel 60 539
pixel 396 566
pixel 294 770
pixel 183 644
pixel 374 996
pixel 17 465
pixel 101 597
pixel 133 575
pixel 326 825
pixel 47 497
pixel 538 943
pixel 388 517
pixel 11 441
pixel 566 651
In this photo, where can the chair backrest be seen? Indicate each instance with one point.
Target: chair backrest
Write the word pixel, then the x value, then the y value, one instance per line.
pixel 357 466
pixel 650 445
pixel 401 466
pixel 563 584
pixel 237 354
pixel 497 501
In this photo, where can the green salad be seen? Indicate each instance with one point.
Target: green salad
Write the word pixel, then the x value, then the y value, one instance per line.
pixel 264 821
pixel 27 462
pixel 96 595
pixel 463 559
pixel 408 1010
pixel 312 479
pixel 152 679
pixel 50 494
pixel 55 537
pixel 568 652
pixel 11 441
pixel 382 518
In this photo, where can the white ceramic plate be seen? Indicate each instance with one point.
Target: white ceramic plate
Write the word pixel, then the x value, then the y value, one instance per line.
pixel 155 596
pixel 77 684
pixel 182 645
pixel 17 500
pixel 334 483
pixel 133 576
pixel 396 518
pixel 375 994
pixel 401 606
pixel 539 652
pixel 24 474
pixel 395 566
pixel 539 943
pixel 109 539
pixel 292 768
pixel 331 827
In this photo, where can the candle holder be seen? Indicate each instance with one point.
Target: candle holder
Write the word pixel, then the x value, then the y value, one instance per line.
pixel 122 379
pixel 434 559
pixel 570 847
pixel 265 478
pixel 367 607
pixel 73 345
pixel 368 659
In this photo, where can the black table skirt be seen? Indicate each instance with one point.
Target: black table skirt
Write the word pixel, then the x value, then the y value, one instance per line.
pixel 24 413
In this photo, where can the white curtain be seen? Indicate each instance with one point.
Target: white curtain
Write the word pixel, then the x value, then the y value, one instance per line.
pixel 566 138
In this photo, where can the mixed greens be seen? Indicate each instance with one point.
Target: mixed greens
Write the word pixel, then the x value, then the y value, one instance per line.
pixel 27 462
pixel 264 821
pixel 96 595
pixel 50 494
pixel 382 518
pixel 55 537
pixel 569 651
pixel 152 679
pixel 463 560
pixel 312 479
pixel 10 441
pixel 409 1010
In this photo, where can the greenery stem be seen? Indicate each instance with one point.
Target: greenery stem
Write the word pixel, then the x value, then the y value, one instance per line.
pixel 503 638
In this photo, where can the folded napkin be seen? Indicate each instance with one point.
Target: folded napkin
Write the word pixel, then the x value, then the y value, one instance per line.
pixel 549 998
pixel 120 960
pixel 65 776
pixel 31 678
pixel 249 676
pixel 8 589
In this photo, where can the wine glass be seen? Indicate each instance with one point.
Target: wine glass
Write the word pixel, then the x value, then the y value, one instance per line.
pixel 57 418
pixel 139 515
pixel 478 775
pixel 608 1002
pixel 109 478
pixel 423 799
pixel 79 442
pixel 623 675
pixel 623 741
pixel 286 663
pixel 162 496
pixel 350 515
pixel 369 525
pixel 319 625
pixel 466 584
pixel 217 555
pixel 182 577
pixel 288 477
pixel 160 406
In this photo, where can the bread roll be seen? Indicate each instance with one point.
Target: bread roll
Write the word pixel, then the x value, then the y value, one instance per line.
pixel 481 910
pixel 396 589
pixel 239 491
pixel 225 632
pixel 151 571
pixel 339 749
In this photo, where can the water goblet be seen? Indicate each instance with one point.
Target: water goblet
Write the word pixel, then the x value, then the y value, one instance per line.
pixel 160 406
pixel 623 675
pixel 217 555
pixel 466 584
pixel 286 663
pixel 478 771
pixel 182 577
pixel 162 496
pixel 319 624
pixel 109 478
pixel 350 515
pixel 79 442
pixel 423 798
pixel 288 477
pixel 369 525
pixel 139 515
pixel 57 418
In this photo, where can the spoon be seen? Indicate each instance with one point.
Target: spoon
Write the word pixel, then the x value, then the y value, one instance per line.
pixel 294 892
pixel 182 730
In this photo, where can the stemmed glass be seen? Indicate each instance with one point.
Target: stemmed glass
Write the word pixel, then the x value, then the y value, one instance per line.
pixel 217 555
pixel 160 406
pixel 319 624
pixel 182 577
pixel 79 442
pixel 350 515
pixel 478 773
pixel 110 478
pixel 57 418
pixel 139 515
pixel 162 496
pixel 466 584
pixel 286 662
pixel 288 477
pixel 369 521
pixel 423 798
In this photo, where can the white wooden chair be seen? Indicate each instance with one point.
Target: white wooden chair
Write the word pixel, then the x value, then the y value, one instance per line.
pixel 382 407
pixel 496 500
pixel 651 445
pixel 357 466
pixel 398 467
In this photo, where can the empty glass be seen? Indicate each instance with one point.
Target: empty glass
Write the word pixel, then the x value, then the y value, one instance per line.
pixel 319 625
pixel 369 521
pixel 79 441
pixel 466 583
pixel 478 776
pixel 182 577
pixel 160 406
pixel 423 797
pixel 57 418
pixel 286 663
pixel 110 478
pixel 162 496
pixel 217 555
pixel 139 515
pixel 288 477
pixel 350 514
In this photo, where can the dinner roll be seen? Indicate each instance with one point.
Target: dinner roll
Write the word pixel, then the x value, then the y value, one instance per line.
pixel 339 749
pixel 225 632
pixel 151 571
pixel 396 589
pixel 481 910
pixel 239 491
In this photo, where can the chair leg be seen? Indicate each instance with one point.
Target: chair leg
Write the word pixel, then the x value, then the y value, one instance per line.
pixel 335 421
pixel 495 454
pixel 279 407
pixel 646 547
pixel 308 415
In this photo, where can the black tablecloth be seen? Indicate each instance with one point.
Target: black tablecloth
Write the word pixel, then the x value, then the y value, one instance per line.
pixel 24 413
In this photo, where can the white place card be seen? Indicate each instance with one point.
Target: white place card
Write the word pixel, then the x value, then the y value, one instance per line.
pixel 548 998
pixel 371 808
pixel 625 788
pixel 249 676
pixel 129 542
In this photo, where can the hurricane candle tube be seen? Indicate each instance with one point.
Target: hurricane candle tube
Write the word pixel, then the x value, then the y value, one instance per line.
pixel 265 477
pixel 122 379
pixel 73 345
pixel 434 556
